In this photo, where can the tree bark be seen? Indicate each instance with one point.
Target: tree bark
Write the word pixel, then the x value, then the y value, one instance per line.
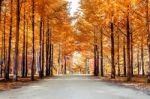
pixel 43 40
pixel 138 63
pixel 52 60
pixel 23 50
pixel 113 71
pixel 148 39
pixel 129 72
pixel 50 56
pixel 26 56
pixel 33 42
pixel 101 54
pixel 142 55
pixel 4 40
pixel 47 52
pixel 40 44
pixel 131 53
pixel 124 57
pixel 118 54
pixel 17 40
pixel 1 33
pixel 9 46
pixel 65 65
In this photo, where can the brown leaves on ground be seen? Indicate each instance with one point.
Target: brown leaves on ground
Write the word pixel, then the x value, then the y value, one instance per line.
pixel 7 85
pixel 138 82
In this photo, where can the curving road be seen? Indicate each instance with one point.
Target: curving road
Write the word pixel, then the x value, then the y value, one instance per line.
pixel 73 87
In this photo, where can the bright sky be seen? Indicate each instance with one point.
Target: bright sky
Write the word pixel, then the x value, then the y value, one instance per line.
pixel 74 6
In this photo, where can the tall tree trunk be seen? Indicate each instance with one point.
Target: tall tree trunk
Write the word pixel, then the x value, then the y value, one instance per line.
pixel 148 39
pixel 50 57
pixel 53 60
pixel 124 57
pixel 129 72
pixel 40 44
pixel 43 40
pixel 2 39
pixel 33 49
pixel 138 63
pixel 26 69
pixel 96 61
pixel 95 64
pixel 9 46
pixel 131 53
pixel 59 59
pixel 49 44
pixel 23 50
pixel 17 40
pixel 101 53
pixel 4 43
pixel 65 65
pixel 142 56
pixel 47 52
pixel 113 71
pixel 118 54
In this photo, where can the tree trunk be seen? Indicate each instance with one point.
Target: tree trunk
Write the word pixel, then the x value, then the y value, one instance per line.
pixel 50 57
pixel 4 43
pixel 129 72
pixel 138 63
pixel 118 54
pixel 2 39
pixel 23 50
pixel 148 39
pixel 9 46
pixel 113 71
pixel 43 40
pixel 48 47
pixel 101 53
pixel 124 57
pixel 47 52
pixel 96 66
pixel 33 49
pixel 59 59
pixel 40 44
pixel 52 60
pixel 26 68
pixel 17 40
pixel 131 53
pixel 142 56
pixel 97 62
pixel 50 54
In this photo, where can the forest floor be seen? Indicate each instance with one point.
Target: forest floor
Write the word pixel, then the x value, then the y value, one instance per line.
pixel 7 85
pixel 137 82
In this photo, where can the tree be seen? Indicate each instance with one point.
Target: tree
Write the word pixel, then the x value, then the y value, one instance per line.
pixel 17 40
pixel 101 53
pixel 148 32
pixel 7 68
pixel 33 41
pixel 23 48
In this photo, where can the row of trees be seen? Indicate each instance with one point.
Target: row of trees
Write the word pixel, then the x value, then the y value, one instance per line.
pixel 29 30
pixel 119 32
